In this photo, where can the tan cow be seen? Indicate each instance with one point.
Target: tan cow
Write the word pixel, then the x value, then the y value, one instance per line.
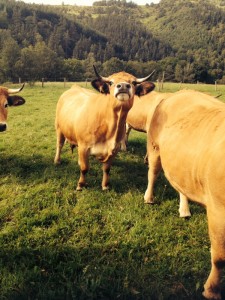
pixel 187 140
pixel 139 118
pixel 96 122
pixel 7 100
pixel 140 115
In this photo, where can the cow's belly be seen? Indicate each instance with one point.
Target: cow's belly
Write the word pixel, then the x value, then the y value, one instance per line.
pixel 184 162
pixel 104 151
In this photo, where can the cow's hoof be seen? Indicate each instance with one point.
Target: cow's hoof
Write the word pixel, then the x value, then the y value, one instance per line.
pixel 185 216
pixel 80 186
pixel 105 188
pixel 149 202
pixel 211 295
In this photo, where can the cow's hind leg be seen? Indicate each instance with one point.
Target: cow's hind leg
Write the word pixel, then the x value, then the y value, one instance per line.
pixel 105 178
pixel 154 167
pixel 59 145
pixel 83 154
pixel 184 207
pixel 216 224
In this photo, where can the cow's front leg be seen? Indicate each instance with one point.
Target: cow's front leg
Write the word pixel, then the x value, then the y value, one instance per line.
pixel 83 154
pixel 124 141
pixel 212 285
pixel 105 178
pixel 154 167
pixel 216 225
pixel 59 145
pixel 184 207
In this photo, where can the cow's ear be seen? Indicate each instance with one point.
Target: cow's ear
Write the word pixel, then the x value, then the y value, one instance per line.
pixel 144 88
pixel 100 85
pixel 15 100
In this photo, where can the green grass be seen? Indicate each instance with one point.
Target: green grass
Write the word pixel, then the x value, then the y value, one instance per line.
pixel 57 243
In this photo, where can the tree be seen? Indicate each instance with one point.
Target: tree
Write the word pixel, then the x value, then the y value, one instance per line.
pixel 113 65
pixel 73 70
pixel 88 66
pixel 37 62
pixel 9 56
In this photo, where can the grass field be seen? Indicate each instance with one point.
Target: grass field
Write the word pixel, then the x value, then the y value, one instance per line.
pixel 57 243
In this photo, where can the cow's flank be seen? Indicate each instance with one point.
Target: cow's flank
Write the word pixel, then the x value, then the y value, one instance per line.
pixel 186 139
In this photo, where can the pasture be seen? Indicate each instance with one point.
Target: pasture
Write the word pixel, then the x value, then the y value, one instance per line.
pixel 57 243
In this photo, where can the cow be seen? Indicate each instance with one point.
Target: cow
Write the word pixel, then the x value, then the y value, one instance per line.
pixel 140 115
pixel 187 140
pixel 139 118
pixel 95 122
pixel 7 100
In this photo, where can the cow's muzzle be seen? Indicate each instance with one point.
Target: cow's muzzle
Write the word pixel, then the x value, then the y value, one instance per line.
pixel 3 127
pixel 122 91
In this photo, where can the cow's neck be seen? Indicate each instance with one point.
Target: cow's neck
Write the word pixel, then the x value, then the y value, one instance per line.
pixel 116 131
pixel 118 128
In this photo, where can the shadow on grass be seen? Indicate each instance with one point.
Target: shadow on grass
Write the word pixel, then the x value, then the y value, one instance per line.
pixel 128 171
pixel 116 271
pixel 92 270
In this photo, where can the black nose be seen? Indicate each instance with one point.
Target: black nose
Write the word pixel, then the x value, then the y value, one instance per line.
pixel 123 86
pixel 2 127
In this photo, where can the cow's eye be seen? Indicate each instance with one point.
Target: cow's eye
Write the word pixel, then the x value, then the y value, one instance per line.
pixel 6 105
pixel 111 83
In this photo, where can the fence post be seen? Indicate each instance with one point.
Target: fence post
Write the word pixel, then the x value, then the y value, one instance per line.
pixel 216 86
pixel 64 82
pixel 162 81
pixel 42 82
pixel 158 84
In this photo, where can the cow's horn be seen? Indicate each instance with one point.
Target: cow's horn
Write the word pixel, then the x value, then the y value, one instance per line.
pixel 140 80
pixel 99 76
pixel 14 91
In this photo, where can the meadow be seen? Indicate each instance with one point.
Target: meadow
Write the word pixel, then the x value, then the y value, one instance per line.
pixel 57 243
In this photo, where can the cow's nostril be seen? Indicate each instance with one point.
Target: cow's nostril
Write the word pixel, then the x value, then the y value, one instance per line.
pixel 123 86
pixel 2 127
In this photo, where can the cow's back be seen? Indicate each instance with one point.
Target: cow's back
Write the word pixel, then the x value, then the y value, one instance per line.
pixel 188 128
pixel 73 99
pixel 143 108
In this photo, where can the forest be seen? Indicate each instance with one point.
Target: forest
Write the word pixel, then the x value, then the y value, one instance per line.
pixel 182 40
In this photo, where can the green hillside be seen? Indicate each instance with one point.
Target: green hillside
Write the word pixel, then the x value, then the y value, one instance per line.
pixel 182 38
pixel 188 25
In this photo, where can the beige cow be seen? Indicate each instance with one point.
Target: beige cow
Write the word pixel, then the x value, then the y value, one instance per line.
pixel 6 99
pixel 140 115
pixel 96 122
pixel 139 118
pixel 187 140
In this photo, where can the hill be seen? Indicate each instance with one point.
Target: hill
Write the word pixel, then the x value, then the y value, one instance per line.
pixel 185 30
pixel 184 37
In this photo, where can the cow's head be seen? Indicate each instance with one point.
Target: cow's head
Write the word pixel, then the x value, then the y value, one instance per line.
pixel 6 99
pixel 122 85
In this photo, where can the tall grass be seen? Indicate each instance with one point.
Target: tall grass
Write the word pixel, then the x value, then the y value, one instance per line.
pixel 57 243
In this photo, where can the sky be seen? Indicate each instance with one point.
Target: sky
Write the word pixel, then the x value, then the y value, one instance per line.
pixel 83 2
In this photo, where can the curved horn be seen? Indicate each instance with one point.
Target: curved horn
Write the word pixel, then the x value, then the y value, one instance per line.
pixel 140 80
pixel 15 91
pixel 99 76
